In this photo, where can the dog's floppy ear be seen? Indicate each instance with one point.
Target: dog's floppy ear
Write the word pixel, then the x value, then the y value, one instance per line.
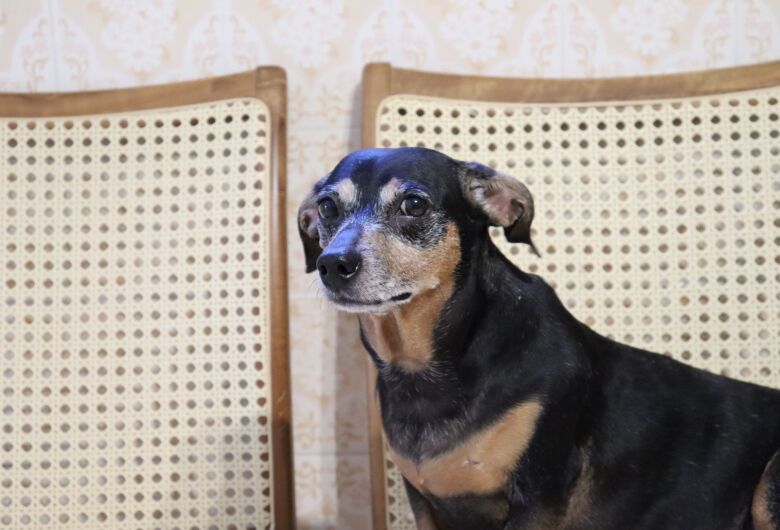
pixel 503 199
pixel 308 227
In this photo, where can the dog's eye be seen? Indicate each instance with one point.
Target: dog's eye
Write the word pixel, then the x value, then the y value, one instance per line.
pixel 327 208
pixel 414 206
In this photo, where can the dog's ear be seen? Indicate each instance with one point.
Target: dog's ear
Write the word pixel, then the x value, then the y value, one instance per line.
pixel 308 227
pixel 503 199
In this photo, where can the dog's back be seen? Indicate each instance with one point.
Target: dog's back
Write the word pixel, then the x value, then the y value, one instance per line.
pixel 683 447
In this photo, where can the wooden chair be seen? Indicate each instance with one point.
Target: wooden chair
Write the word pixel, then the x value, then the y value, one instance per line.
pixel 657 205
pixel 143 308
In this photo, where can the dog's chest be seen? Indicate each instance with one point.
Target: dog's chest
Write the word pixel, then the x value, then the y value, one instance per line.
pixel 480 464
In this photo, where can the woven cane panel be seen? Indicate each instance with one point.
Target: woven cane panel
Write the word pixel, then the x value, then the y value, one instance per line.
pixel 134 320
pixel 658 222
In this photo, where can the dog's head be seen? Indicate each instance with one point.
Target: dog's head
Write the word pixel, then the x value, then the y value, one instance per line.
pixel 385 225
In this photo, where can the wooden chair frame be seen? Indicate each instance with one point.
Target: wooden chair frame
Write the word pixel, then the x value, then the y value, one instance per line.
pixel 267 84
pixel 381 80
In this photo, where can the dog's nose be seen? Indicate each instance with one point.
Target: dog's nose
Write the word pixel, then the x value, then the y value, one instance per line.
pixel 336 268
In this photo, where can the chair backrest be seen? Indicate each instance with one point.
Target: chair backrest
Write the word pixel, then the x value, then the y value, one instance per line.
pixel 143 308
pixel 657 205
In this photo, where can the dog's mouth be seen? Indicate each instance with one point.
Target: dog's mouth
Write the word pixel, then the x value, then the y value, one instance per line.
pixel 359 306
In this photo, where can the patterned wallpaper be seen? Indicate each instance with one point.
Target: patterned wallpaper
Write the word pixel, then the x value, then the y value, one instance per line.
pixel 87 44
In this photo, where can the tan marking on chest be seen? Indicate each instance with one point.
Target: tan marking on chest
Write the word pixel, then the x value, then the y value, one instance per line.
pixel 480 465
pixel 404 335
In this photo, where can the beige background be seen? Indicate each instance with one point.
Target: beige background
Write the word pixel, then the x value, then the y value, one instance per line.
pixel 87 44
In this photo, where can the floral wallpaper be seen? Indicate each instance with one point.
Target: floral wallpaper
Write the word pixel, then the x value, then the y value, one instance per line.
pixel 60 45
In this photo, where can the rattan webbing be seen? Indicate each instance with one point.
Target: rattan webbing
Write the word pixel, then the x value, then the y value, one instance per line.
pixel 134 320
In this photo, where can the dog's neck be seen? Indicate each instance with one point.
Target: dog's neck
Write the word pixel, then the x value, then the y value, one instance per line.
pixel 424 351
pixel 404 336
pixel 416 336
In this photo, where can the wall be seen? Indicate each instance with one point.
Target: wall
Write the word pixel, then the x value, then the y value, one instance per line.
pixel 87 44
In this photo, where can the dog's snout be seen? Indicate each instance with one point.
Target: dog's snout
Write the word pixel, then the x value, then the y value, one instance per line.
pixel 340 260
pixel 336 268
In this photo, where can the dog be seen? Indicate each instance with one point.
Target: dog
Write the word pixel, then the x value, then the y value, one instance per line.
pixel 500 409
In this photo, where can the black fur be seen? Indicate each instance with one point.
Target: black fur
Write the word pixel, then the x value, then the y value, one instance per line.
pixel 667 446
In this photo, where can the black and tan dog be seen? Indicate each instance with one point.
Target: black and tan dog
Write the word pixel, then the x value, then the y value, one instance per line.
pixel 503 411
